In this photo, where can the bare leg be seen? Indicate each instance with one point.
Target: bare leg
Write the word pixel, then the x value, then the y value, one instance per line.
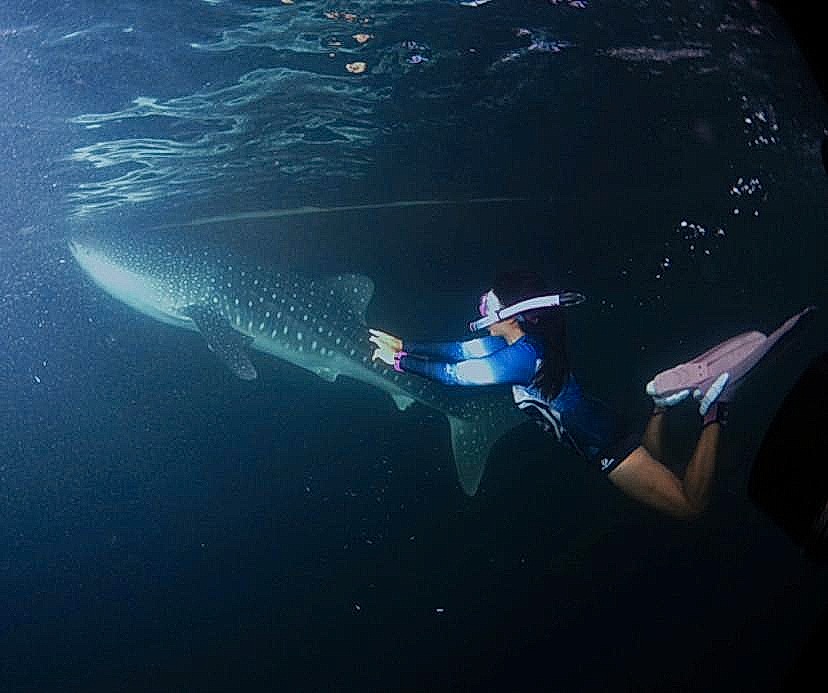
pixel 653 435
pixel 644 478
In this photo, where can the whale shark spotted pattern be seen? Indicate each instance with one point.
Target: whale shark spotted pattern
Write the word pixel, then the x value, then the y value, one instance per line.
pixel 316 324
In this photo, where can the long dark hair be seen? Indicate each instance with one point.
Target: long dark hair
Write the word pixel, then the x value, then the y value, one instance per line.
pixel 548 324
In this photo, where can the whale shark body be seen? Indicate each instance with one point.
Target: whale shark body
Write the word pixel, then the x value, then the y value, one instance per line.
pixel 316 324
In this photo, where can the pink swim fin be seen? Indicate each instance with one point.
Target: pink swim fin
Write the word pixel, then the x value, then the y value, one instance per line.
pixel 735 356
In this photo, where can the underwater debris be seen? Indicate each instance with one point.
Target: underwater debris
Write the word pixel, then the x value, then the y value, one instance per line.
pixel 540 41
pixel 350 17
pixel 414 53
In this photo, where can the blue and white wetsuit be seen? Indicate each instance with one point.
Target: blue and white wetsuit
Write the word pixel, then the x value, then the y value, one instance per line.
pixel 588 426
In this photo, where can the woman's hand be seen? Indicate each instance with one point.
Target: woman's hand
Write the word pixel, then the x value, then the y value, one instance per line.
pixel 387 346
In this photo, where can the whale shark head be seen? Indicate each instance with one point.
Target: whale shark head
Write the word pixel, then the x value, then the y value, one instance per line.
pixel 156 281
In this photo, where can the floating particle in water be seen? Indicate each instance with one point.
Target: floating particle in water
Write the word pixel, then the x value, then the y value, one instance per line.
pixel 761 124
pixel 697 239
pixel 691 231
pixel 750 193
pixel 745 187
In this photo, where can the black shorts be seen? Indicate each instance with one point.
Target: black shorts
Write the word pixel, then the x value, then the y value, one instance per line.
pixel 613 455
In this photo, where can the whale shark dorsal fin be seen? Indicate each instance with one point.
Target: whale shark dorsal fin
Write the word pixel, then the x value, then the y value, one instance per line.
pixel 225 342
pixel 355 290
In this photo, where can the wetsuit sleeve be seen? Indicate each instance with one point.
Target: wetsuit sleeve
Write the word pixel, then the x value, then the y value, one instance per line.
pixel 456 351
pixel 511 365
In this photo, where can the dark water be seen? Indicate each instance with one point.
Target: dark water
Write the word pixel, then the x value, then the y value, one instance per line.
pixel 167 527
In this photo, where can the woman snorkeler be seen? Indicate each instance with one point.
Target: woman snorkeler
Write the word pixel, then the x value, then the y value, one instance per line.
pixel 527 350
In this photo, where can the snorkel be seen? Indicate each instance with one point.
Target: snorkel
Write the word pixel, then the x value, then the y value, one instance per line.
pixel 492 310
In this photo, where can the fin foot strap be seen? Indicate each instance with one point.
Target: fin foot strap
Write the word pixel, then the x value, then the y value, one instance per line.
pixel 716 414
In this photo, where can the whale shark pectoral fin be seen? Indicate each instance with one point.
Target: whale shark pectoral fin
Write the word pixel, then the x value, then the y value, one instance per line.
pixel 225 342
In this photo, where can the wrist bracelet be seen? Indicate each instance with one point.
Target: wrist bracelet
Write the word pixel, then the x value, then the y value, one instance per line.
pixel 397 356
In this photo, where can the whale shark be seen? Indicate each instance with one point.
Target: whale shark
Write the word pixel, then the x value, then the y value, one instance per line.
pixel 317 324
